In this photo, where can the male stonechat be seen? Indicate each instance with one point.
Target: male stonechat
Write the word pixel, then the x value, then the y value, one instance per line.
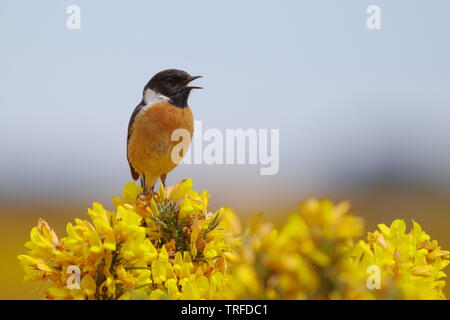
pixel 162 110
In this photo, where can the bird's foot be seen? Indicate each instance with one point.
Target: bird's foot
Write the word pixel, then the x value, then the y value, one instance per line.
pixel 145 194
pixel 143 198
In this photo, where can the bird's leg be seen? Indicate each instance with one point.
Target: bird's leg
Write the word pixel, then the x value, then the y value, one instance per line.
pixel 145 191
pixel 163 180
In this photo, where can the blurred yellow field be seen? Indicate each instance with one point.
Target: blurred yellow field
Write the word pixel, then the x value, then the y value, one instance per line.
pixel 424 208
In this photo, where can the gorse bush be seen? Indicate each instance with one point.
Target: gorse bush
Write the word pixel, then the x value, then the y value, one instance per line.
pixel 316 255
pixel 170 246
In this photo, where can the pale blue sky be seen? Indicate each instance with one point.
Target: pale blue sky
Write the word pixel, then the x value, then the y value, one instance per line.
pixel 352 105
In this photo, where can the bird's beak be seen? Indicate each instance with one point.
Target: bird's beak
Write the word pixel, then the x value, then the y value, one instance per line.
pixel 189 80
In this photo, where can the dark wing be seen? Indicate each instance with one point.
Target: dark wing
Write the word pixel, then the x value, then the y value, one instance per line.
pixel 134 174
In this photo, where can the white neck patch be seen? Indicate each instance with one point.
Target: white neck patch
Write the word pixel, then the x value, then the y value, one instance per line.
pixel 151 97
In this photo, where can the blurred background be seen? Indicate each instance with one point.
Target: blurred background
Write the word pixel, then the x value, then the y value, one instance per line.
pixel 363 115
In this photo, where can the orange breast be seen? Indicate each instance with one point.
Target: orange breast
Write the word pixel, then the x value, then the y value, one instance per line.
pixel 150 145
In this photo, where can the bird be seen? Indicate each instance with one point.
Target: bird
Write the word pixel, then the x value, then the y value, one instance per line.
pixel 163 109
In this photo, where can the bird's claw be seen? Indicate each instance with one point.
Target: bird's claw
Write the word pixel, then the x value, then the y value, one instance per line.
pixel 145 195
pixel 143 199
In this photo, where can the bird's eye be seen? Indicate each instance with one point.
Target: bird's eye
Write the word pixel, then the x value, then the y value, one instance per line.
pixel 170 79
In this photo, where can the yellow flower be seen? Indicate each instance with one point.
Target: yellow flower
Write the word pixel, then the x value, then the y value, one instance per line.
pixel 180 189
pixel 164 247
pixel 314 256
pixel 410 261
pixel 43 240
pixel 170 246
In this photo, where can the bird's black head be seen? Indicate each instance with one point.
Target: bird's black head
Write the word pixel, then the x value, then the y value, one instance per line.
pixel 173 84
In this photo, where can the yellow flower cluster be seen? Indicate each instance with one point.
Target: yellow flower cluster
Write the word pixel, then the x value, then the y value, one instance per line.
pixel 315 255
pixel 166 246
pixel 303 260
pixel 410 263
pixel 169 246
